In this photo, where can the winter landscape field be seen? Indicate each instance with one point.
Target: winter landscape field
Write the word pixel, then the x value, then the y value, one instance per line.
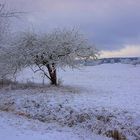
pixel 69 70
pixel 93 103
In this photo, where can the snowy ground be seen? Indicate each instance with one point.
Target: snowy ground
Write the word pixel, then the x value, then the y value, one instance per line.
pixel 13 127
pixel 103 85
pixel 92 100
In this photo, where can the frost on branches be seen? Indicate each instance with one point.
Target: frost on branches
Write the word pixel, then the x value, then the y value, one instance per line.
pixel 59 48
pixel 8 63
pixel 5 15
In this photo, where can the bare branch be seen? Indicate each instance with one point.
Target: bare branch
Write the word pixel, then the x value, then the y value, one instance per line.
pixel 43 72
pixel 4 13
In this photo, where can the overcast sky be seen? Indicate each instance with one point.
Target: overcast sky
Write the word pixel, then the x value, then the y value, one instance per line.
pixel 112 25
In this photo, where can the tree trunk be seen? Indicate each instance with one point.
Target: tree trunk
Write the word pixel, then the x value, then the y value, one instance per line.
pixel 52 73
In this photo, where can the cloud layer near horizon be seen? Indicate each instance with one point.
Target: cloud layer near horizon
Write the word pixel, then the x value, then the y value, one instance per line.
pixel 128 51
pixel 112 25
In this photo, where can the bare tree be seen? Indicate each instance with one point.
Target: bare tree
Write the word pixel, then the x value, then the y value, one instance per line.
pixel 59 48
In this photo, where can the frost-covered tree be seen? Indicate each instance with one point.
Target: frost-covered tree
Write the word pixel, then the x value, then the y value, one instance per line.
pixel 5 15
pixel 59 48
pixel 10 62
pixel 3 23
pixel 5 62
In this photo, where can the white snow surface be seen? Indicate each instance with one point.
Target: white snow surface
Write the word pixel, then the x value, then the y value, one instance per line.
pixel 13 127
pixel 93 99
pixel 108 85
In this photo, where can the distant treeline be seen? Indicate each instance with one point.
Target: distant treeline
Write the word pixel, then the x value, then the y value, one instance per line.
pixel 126 60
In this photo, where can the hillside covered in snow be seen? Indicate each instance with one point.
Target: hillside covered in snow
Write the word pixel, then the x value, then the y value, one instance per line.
pixel 95 102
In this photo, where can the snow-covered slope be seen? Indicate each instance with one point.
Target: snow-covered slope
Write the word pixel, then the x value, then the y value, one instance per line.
pixel 95 99
pixel 13 127
pixel 108 85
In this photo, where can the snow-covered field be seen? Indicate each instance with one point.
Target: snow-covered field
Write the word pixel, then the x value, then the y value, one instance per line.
pixel 101 100
pixel 13 127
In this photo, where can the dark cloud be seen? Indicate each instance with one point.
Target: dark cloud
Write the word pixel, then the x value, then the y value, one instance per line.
pixel 110 24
